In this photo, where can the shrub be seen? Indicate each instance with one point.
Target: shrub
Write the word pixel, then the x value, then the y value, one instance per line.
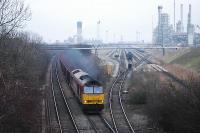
pixel 176 109
pixel 22 66
pixel 173 108
pixel 138 97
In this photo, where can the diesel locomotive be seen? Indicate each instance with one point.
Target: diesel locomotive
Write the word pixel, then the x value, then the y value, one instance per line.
pixel 89 92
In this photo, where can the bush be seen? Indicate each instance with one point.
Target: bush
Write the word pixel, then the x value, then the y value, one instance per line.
pixel 138 97
pixel 142 83
pixel 176 110
pixel 22 66
pixel 173 108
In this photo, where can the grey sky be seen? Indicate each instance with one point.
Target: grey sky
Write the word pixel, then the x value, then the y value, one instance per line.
pixel 56 19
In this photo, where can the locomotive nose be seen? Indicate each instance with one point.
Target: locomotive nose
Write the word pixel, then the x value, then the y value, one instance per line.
pixel 93 98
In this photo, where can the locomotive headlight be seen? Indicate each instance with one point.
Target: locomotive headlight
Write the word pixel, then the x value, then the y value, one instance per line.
pixel 85 101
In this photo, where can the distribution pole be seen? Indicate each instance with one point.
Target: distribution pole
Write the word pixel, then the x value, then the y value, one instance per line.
pixel 174 15
pixel 106 39
pixel 163 41
pixel 98 30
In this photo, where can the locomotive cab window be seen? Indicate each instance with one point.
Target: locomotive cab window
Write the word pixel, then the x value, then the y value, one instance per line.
pixel 98 89
pixel 93 90
pixel 88 89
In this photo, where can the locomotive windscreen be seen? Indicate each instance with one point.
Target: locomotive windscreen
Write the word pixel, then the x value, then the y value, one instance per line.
pixel 98 89
pixel 93 89
pixel 88 89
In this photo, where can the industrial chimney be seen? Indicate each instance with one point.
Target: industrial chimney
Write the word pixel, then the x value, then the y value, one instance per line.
pixel 182 27
pixel 190 28
pixel 189 19
pixel 159 14
pixel 189 15
pixel 79 32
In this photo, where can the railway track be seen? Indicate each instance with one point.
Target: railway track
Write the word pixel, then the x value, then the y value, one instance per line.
pixel 53 123
pixel 48 113
pixel 100 124
pixel 118 114
pixel 85 122
pixel 160 69
pixel 64 113
pixel 119 118
pixel 64 119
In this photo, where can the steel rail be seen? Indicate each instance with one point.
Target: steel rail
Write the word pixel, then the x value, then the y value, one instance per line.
pixel 66 102
pixel 55 103
pixel 121 104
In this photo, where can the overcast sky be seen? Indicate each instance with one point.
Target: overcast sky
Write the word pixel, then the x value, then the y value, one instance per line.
pixel 56 19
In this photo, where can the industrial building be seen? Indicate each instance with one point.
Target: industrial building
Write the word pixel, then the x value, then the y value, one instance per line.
pixel 190 28
pixel 79 32
pixel 166 34
pixel 79 39
pixel 163 32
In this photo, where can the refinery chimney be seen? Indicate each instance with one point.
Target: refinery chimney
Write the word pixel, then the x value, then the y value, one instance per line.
pixel 159 32
pixel 190 28
pixel 159 14
pixel 189 16
pixel 79 32
pixel 182 27
pixel 174 14
pixel 98 30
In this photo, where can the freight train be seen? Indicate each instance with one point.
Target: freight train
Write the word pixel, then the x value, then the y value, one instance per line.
pixel 89 92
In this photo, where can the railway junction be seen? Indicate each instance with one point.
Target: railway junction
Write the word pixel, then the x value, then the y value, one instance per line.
pixel 63 109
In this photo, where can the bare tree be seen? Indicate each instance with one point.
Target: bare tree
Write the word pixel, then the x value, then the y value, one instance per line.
pixel 13 14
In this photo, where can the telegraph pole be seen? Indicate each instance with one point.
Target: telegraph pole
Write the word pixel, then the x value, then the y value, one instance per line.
pixel 174 15
pixel 98 30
